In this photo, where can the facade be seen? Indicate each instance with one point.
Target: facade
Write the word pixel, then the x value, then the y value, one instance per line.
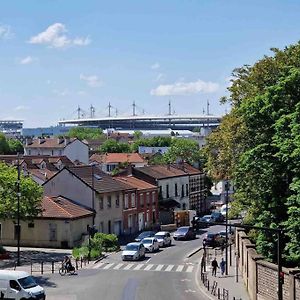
pixel 145 201
pixel 74 149
pixel 92 188
pixel 62 224
pixel 152 150
pixel 110 161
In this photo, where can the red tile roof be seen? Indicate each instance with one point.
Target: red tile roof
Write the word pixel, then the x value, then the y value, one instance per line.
pixel 161 171
pixel 63 208
pixel 135 182
pixel 109 158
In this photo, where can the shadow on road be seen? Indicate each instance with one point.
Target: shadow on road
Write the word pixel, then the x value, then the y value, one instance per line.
pixel 45 281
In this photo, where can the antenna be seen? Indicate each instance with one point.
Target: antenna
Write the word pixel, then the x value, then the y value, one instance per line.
pixel 133 108
pixel 78 112
pixel 116 112
pixel 207 107
pixel 109 109
pixel 92 111
pixel 203 111
pixel 170 108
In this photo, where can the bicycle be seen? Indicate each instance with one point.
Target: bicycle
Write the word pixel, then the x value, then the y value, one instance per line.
pixel 63 270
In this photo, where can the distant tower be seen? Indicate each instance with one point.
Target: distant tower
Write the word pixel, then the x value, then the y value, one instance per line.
pixel 92 111
pixel 203 111
pixel 116 112
pixel 208 107
pixel 170 108
pixel 133 108
pixel 109 109
pixel 78 112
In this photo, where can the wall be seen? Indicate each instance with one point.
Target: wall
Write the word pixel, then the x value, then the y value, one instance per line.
pixel 260 276
pixel 77 150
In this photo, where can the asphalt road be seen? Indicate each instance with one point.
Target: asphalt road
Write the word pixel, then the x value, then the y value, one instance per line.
pixel 168 274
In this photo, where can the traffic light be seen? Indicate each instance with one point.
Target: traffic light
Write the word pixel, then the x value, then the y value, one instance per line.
pixel 281 276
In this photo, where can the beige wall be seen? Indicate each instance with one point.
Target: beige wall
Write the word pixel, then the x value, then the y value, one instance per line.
pixel 70 231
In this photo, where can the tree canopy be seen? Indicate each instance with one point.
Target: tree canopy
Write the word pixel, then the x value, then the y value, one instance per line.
pixel 31 195
pixel 257 146
pixel 112 146
pixel 86 133
pixel 10 146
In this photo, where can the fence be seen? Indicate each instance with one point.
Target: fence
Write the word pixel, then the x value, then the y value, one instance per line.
pixel 212 287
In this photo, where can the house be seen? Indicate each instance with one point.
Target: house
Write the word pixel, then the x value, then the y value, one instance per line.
pixel 92 188
pixel 72 148
pixel 62 224
pixel 152 150
pixel 110 161
pixel 40 168
pixel 173 187
pixel 145 203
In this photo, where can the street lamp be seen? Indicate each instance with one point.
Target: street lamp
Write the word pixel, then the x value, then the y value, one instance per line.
pixel 226 249
pixel 18 213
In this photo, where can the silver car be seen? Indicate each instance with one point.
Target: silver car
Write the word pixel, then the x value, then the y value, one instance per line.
pixel 133 251
pixel 164 238
pixel 151 244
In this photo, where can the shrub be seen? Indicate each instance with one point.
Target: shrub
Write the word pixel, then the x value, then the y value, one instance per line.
pixel 108 242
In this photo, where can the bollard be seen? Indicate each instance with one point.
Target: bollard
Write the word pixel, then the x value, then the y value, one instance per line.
pixel 81 262
pixel 52 266
pixel 42 267
pixel 218 293
pixel 76 262
pixel 208 285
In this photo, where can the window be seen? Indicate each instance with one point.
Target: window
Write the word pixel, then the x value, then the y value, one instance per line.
pixel 167 188
pixel 132 200
pixel 101 203
pixel 31 225
pixel 29 152
pixel 108 201
pixel 107 168
pixel 101 227
pixel 153 198
pixel 182 191
pixel 126 202
pixel 176 190
pixel 14 285
pixel 187 189
pixel 52 152
pixel 118 200
pixel 17 231
pixel 142 200
pixel 52 232
pixel 109 226
pixel 148 198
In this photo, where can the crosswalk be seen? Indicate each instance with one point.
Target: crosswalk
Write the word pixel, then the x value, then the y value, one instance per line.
pixel 143 267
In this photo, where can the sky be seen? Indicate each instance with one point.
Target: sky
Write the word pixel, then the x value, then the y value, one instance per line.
pixel 56 55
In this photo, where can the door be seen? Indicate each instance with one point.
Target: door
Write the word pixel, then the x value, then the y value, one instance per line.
pixel 117 227
pixel 52 232
pixel 141 221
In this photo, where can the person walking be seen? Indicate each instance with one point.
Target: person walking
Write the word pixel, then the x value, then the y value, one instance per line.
pixel 214 265
pixel 222 266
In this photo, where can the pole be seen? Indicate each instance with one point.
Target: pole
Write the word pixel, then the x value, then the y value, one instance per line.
pixel 279 262
pixel 18 213
pixel 226 249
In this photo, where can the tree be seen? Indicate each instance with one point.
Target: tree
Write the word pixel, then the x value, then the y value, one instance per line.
pixel 157 141
pixel 15 146
pixel 112 146
pixel 137 135
pixel 86 133
pixel 31 195
pixel 258 146
pixel 4 147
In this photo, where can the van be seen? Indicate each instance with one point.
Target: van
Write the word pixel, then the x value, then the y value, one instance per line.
pixel 19 285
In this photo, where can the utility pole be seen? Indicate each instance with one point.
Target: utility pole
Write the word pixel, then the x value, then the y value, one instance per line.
pixel 170 108
pixel 133 108
pixel 109 109
pixel 78 112
pixel 18 213
pixel 226 249
pixel 92 111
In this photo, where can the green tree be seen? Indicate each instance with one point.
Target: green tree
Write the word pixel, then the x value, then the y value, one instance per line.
pixel 15 146
pixel 112 146
pixel 157 141
pixel 86 133
pixel 31 195
pixel 137 135
pixel 4 147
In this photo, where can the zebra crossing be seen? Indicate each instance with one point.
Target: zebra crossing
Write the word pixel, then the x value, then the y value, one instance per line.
pixel 144 267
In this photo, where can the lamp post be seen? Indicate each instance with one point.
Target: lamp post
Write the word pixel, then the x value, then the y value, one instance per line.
pixel 226 248
pixel 18 213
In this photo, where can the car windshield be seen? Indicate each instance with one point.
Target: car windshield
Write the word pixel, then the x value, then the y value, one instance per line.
pixel 145 234
pixel 132 247
pixel 159 236
pixel 182 229
pixel 147 241
pixel 27 282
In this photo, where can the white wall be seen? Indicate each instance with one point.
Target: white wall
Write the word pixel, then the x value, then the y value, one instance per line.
pixel 77 150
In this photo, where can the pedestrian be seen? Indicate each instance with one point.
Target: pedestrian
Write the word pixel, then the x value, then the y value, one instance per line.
pixel 214 265
pixel 203 264
pixel 222 266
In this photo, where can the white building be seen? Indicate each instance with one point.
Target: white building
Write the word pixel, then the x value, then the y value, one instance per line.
pixel 72 148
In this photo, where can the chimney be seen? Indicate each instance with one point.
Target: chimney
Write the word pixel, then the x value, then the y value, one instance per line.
pixel 41 140
pixel 28 141
pixel 60 140
pixel 67 140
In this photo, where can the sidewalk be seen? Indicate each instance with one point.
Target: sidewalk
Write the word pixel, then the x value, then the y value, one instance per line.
pixel 236 290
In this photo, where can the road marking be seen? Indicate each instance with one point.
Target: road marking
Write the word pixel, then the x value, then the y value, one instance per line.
pixel 148 260
pixel 108 266
pixel 117 267
pixel 169 268
pixel 98 266
pixel 179 268
pixel 185 280
pixel 128 266
pixel 138 267
pixel 189 269
pixel 148 268
pixel 159 267
pixel 190 291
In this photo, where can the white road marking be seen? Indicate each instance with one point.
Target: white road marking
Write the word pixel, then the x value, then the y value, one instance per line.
pixel 148 260
pixel 128 266
pixel 190 291
pixel 108 266
pixel 179 268
pixel 169 268
pixel 189 269
pixel 117 267
pixel 185 279
pixel 138 267
pixel 148 268
pixel 159 267
pixel 98 266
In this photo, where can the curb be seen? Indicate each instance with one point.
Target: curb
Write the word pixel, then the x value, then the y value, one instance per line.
pixel 194 252
pixel 100 258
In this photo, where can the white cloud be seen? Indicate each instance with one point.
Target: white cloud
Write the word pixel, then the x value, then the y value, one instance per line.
pixel 92 80
pixel 185 88
pixel 155 66
pixel 5 32
pixel 21 108
pixel 55 36
pixel 27 60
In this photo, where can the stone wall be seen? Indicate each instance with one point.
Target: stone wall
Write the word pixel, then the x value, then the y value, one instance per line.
pixel 260 276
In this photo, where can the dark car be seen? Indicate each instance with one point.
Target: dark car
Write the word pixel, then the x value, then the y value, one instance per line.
pixel 184 233
pixel 214 240
pixel 198 223
pixel 217 217
pixel 143 235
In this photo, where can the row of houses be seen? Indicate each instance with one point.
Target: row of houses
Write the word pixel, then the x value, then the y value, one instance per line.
pixel 78 195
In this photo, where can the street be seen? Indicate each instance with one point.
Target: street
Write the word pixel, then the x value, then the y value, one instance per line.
pixel 167 274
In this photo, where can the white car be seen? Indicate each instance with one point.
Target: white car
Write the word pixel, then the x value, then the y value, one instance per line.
pixel 133 251
pixel 164 238
pixel 151 244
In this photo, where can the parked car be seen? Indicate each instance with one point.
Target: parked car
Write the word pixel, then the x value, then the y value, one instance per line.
pixel 230 235
pixel 133 251
pixel 198 223
pixel 143 235
pixel 163 238
pixel 207 219
pixel 151 244
pixel 217 217
pixel 214 240
pixel 184 233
